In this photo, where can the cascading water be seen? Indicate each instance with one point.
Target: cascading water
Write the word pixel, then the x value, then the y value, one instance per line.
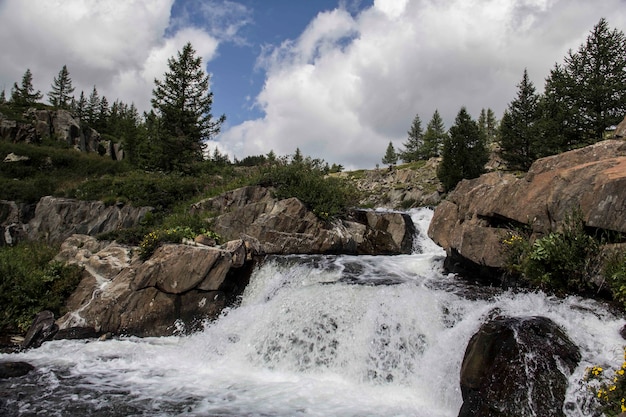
pixel 312 336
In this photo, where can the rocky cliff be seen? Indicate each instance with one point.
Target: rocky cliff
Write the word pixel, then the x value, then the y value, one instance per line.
pixel 59 125
pixel 288 227
pixel 55 219
pixel 472 221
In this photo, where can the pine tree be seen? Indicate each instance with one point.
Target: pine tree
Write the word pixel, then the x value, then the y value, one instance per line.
pixel 78 107
pixel 92 109
pixel 464 152
pixel 25 95
pixel 391 157
pixel 60 96
pixel 3 97
pixel 183 102
pixel 519 133
pixel 434 137
pixel 414 144
pixel 492 126
pixel 590 86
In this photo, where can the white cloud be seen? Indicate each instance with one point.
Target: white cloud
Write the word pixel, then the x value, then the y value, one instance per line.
pixel 117 45
pixel 349 84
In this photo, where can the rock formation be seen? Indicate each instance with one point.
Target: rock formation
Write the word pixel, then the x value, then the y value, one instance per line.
pixel 55 219
pixel 58 125
pixel 288 227
pixel 177 287
pixel 517 367
pixel 472 221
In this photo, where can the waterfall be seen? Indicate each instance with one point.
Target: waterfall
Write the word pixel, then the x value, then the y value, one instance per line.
pixel 311 336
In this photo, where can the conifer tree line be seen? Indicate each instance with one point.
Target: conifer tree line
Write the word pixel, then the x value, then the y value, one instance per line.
pixel 170 137
pixel 583 96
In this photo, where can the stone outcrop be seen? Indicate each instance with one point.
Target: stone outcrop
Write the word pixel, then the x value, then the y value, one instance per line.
pixel 177 287
pixel 288 227
pixel 399 187
pixel 472 221
pixel 58 125
pixel 517 367
pixel 55 219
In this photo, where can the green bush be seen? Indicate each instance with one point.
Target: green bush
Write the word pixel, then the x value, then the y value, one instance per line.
pixel 155 238
pixel 561 261
pixel 614 272
pixel 326 196
pixel 30 281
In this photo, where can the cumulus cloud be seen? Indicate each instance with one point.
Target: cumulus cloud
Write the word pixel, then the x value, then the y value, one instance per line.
pixel 119 45
pixel 351 83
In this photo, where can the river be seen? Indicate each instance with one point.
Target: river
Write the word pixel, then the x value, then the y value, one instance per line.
pixel 312 336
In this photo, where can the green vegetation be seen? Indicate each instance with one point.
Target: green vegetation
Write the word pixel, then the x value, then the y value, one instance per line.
pixel 391 157
pixel 306 179
pixel 30 281
pixel 464 152
pixel 610 391
pixel 414 145
pixel 561 261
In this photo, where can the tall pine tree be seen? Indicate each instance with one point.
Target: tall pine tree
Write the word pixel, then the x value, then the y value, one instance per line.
pixel 60 95
pixel 519 130
pixel 414 144
pixel 183 101
pixel 25 95
pixel 464 152
pixel 391 157
pixel 434 137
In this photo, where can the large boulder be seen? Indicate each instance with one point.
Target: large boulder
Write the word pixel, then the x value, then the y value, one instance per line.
pixel 178 286
pixel 517 366
pixel 288 227
pixel 471 223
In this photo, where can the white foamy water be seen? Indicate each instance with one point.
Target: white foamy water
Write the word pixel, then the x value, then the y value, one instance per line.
pixel 312 336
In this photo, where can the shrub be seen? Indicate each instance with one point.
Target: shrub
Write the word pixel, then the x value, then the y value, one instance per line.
pixel 614 272
pixel 561 261
pixel 152 240
pixel 31 282
pixel 326 196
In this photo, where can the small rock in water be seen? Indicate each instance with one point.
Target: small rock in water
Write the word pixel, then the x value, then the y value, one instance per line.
pixel 43 329
pixel 14 369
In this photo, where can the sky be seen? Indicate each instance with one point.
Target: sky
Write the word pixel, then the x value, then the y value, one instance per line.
pixel 338 79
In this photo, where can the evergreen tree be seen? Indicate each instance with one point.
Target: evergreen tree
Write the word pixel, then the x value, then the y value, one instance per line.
pixel 25 95
pixel 464 152
pixel 414 144
pixel 103 114
pixel 297 157
pixel 492 126
pixel 92 109
pixel 60 96
pixel 79 107
pixel 519 133
pixel 591 86
pixel 184 102
pixel 3 97
pixel 434 137
pixel 391 157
